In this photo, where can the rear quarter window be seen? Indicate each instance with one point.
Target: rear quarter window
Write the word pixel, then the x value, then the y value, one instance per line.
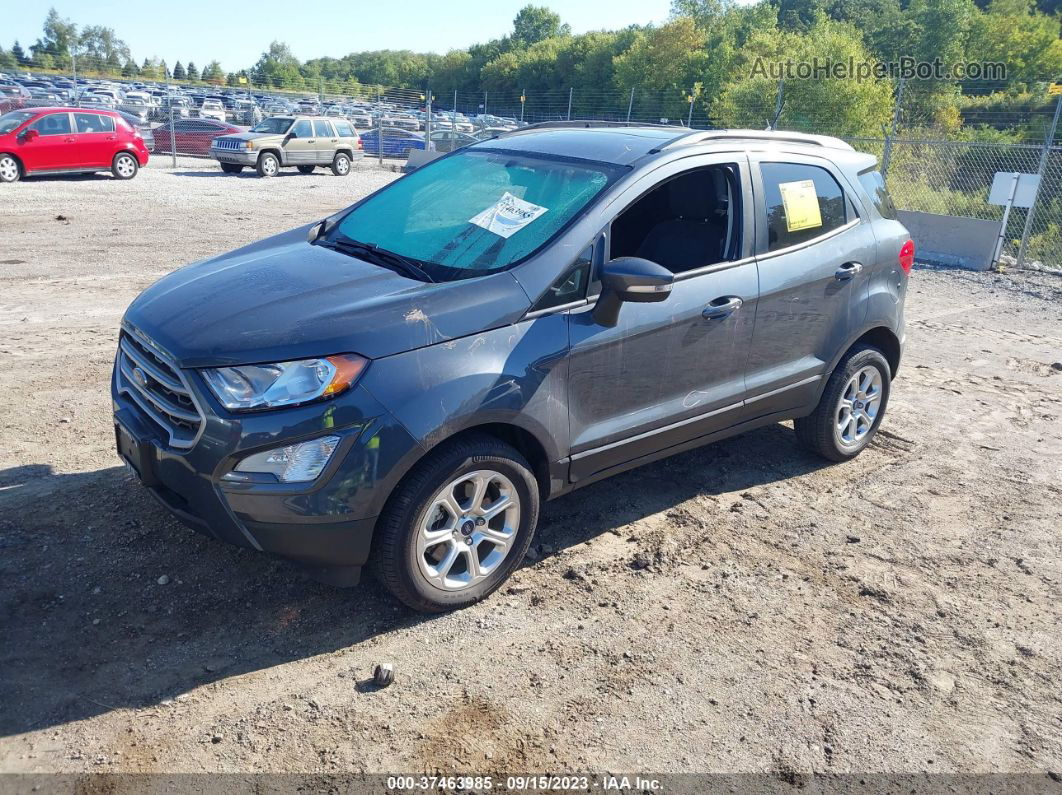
pixel 874 184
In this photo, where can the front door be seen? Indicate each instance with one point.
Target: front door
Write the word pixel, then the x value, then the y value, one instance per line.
pixel 301 145
pixel 53 148
pixel 672 371
pixel 815 254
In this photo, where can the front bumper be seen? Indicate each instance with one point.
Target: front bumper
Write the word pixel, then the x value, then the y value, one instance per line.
pixel 238 156
pixel 325 525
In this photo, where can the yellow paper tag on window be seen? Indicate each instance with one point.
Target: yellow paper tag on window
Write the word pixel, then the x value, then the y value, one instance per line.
pixel 801 205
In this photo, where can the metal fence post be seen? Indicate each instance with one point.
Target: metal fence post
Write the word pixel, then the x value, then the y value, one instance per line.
pixel 630 105
pixel 1031 213
pixel 689 118
pixel 523 101
pixel 173 136
pixel 886 153
pixel 427 125
pixel 379 137
pixel 570 92
pixel 453 124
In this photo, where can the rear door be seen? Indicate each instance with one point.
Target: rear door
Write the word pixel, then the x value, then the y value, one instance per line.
pixel 814 255
pixel 97 139
pixel 327 141
pixel 55 146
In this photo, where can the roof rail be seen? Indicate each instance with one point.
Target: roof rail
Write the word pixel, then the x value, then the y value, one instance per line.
pixel 588 123
pixel 704 136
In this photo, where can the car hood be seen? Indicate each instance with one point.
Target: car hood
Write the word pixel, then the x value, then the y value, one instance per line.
pixel 251 136
pixel 283 298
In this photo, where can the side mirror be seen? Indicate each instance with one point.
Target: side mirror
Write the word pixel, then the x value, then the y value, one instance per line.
pixel 630 279
pixel 30 135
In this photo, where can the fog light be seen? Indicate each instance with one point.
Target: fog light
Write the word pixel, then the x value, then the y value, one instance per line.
pixel 295 463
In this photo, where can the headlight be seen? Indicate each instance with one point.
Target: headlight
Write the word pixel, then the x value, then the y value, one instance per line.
pixel 259 386
pixel 248 145
pixel 296 463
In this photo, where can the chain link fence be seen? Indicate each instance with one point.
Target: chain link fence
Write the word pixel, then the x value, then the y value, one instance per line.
pixel 939 145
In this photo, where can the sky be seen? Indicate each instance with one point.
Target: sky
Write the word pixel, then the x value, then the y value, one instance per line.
pixel 236 33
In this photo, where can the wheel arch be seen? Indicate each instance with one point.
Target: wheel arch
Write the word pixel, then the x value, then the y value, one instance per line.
pixel 881 337
pixel 273 151
pixel 526 442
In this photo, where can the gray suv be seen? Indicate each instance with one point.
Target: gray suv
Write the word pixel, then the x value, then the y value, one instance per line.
pixel 403 383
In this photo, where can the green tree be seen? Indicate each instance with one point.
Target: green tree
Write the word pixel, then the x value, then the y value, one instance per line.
pixel 7 59
pixel 59 37
pixel 191 72
pixel 20 54
pixel 130 69
pixel 178 71
pixel 1015 33
pixel 277 67
pixel 535 23
pixel 838 107
pixel 213 73
pixel 101 48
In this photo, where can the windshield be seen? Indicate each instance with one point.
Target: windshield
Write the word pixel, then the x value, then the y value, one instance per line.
pixel 275 126
pixel 477 211
pixel 9 121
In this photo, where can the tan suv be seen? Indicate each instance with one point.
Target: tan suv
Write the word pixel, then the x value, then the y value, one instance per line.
pixel 301 141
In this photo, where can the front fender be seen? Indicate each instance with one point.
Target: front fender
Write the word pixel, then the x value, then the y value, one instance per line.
pixel 514 375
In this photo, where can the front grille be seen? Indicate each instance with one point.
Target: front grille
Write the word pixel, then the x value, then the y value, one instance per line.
pixel 156 385
pixel 228 143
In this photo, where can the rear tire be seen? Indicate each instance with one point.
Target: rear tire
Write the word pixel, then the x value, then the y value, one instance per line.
pixel 851 407
pixel 268 165
pixel 10 171
pixel 306 169
pixel 341 165
pixel 231 168
pixel 124 166
pixel 421 550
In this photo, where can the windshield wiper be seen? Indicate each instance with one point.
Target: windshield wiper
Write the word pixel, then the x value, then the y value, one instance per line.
pixel 381 256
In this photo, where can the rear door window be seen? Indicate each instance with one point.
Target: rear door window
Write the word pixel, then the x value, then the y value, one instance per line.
pixel 874 184
pixel 802 203
pixel 322 129
pixel 93 123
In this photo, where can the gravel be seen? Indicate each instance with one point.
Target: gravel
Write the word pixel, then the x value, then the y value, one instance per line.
pixel 743 607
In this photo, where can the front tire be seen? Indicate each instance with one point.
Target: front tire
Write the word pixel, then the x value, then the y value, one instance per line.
pixel 341 165
pixel 9 169
pixel 457 525
pixel 124 166
pixel 268 165
pixel 851 407
pixel 231 168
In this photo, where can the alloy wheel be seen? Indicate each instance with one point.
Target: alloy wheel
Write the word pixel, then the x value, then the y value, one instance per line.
pixel 468 529
pixel 858 407
pixel 125 166
pixel 8 169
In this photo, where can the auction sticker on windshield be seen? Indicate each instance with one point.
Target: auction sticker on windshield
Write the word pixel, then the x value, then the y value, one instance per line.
pixel 507 216
pixel 801 205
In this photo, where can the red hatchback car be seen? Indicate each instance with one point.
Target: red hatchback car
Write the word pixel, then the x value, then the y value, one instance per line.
pixel 68 140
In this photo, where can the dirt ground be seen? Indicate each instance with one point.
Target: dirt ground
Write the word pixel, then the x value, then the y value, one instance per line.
pixel 744 607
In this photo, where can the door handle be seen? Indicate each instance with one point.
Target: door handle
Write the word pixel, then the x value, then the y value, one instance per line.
pixel 847 271
pixel 721 307
pixel 69 140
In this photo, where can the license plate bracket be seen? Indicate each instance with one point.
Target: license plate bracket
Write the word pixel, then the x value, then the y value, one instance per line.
pixel 138 453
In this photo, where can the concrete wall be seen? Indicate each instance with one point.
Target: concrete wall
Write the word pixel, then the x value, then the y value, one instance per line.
pixel 951 240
